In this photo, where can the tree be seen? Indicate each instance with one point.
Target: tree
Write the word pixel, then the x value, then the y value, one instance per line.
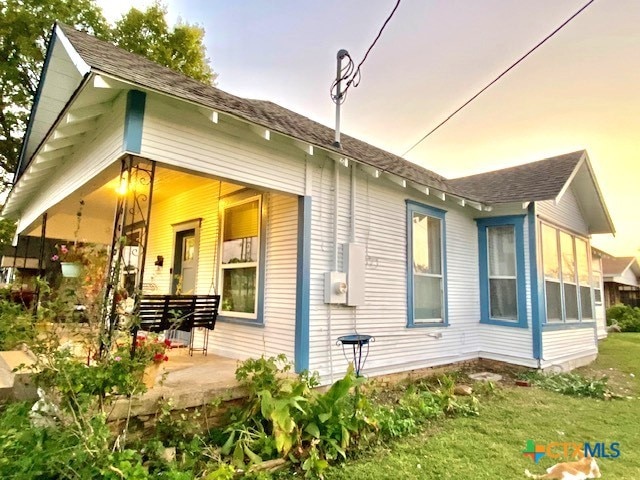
pixel 180 49
pixel 24 30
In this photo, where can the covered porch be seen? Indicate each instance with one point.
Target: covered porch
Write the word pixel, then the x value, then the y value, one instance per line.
pixel 169 231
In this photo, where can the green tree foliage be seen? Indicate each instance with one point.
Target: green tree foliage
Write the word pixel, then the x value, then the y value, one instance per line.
pixel 24 30
pixel 181 48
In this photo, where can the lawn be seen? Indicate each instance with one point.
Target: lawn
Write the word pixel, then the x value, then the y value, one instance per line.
pixel 490 446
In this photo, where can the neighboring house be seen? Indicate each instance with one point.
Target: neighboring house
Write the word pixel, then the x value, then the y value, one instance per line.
pixel 216 193
pixel 621 281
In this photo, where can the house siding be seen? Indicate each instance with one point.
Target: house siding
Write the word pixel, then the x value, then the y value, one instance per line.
pixel 510 344
pixel 561 346
pixel 380 216
pixel 183 137
pixel 100 148
pixel 229 339
pixel 566 213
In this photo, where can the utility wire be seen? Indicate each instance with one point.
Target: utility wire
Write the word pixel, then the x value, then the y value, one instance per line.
pixel 500 76
pixel 354 74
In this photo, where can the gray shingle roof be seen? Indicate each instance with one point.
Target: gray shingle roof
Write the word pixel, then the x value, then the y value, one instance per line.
pixel 109 59
pixel 537 181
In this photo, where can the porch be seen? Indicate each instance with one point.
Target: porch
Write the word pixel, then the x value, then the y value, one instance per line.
pixel 188 382
pixel 169 231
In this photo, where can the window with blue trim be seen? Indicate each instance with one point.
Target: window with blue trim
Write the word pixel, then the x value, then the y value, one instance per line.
pixel 502 277
pixel 426 266
pixel 240 258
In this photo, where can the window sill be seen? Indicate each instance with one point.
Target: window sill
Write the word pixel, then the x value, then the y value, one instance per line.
pixel 427 325
pixel 568 325
pixel 241 321
pixel 504 323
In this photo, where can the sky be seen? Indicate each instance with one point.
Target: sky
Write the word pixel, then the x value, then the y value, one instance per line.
pixel 580 90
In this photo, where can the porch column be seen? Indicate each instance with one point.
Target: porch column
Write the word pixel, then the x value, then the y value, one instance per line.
pixel 303 284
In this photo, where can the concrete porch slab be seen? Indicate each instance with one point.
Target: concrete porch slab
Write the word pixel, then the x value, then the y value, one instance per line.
pixel 188 382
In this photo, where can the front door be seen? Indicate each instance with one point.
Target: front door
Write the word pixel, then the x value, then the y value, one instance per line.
pixel 184 263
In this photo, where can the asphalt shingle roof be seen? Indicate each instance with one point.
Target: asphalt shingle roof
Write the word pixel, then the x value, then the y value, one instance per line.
pixel 541 180
pixel 537 181
pixel 615 265
pixel 107 58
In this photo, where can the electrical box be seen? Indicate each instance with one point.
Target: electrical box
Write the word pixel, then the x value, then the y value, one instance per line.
pixel 335 287
pixel 355 263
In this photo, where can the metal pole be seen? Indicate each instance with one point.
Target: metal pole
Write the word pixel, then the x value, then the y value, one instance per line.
pixel 43 235
pixel 341 54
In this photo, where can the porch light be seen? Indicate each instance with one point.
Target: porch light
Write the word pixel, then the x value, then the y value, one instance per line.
pixel 123 187
pixel 358 343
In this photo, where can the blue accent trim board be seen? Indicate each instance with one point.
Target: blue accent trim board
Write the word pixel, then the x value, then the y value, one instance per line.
pixel 428 210
pixel 303 284
pixel 517 221
pixel 133 119
pixel 22 165
pixel 538 307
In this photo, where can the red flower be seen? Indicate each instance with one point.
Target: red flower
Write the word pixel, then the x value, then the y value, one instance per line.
pixel 167 342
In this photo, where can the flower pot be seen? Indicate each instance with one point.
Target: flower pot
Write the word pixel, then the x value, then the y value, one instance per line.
pixel 70 269
pixel 150 374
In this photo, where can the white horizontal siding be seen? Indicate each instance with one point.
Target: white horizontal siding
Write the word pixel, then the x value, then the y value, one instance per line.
pixel 183 137
pixel 228 339
pixel 558 345
pixel 565 214
pixel 99 149
pixel 380 219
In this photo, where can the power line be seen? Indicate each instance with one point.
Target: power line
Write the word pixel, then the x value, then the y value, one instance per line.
pixel 513 65
pixel 349 70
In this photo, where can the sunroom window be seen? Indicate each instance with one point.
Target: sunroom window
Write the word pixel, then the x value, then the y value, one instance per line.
pixel 427 274
pixel 567 276
pixel 240 256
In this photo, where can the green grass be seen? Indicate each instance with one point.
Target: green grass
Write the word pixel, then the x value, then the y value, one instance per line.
pixel 490 446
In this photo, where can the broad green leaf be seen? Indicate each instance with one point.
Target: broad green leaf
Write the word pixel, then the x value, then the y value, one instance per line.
pixel 313 430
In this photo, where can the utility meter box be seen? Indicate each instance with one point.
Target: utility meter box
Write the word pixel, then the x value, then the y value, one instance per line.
pixel 335 287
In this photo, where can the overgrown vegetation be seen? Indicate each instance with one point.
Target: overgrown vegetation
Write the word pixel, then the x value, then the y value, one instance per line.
pixel 571 384
pixel 625 317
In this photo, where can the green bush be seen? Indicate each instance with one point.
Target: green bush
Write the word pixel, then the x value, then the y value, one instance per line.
pixel 571 384
pixel 626 317
pixel 17 325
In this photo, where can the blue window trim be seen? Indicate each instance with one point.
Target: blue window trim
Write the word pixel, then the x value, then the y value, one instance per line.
pixel 259 320
pixel 517 221
pixel 412 207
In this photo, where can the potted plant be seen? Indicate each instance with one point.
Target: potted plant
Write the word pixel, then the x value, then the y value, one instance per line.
pixel 70 258
pixel 151 353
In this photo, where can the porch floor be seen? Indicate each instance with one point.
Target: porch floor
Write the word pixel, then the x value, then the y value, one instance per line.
pixel 188 381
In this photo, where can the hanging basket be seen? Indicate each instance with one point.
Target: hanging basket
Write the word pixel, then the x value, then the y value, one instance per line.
pixel 71 269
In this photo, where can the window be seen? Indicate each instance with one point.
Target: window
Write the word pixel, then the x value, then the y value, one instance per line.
pixel 502 280
pixel 567 276
pixel 426 266
pixel 240 258
pixel 596 276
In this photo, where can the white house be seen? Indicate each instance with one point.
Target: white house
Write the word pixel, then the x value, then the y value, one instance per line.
pixel 306 241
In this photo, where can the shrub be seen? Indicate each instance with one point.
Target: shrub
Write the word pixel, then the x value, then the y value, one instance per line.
pixel 571 384
pixel 17 325
pixel 626 317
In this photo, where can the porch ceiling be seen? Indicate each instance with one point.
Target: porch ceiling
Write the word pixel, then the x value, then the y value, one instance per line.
pixel 100 198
